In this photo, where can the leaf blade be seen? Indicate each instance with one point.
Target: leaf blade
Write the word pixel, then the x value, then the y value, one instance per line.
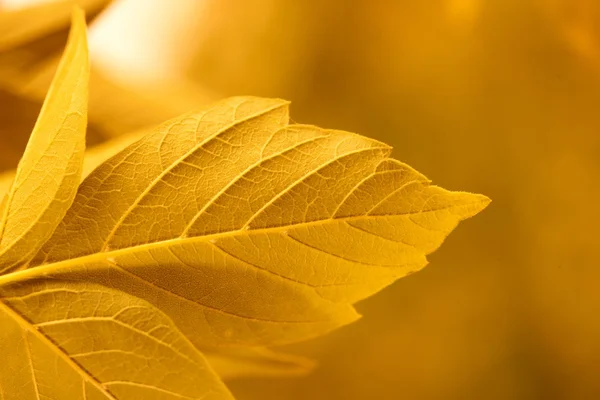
pixel 64 343
pixel 47 177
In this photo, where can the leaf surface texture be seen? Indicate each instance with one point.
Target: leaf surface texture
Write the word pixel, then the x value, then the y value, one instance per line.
pixel 49 172
pixel 96 343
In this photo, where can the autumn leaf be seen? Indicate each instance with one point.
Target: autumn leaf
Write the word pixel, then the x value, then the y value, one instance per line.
pixel 216 234
pixel 49 172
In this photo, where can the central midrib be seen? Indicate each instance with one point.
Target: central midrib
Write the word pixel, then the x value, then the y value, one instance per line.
pixel 48 269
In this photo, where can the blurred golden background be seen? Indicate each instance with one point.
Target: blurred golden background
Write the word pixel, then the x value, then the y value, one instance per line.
pixel 500 97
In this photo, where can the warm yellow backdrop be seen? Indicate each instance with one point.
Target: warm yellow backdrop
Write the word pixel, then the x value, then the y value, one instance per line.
pixel 500 97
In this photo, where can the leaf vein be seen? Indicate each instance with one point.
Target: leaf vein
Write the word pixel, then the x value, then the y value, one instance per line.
pixel 223 190
pixel 303 178
pixel 310 246
pixel 117 322
pixel 157 179
pixel 247 318
pixel 27 325
pixel 31 367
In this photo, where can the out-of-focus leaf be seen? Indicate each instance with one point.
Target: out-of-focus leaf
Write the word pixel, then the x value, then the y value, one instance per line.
pixel 25 25
pixel 26 70
pixel 50 171
pixel 114 108
pixel 577 22
pixel 42 31
pixel 18 117
pixel 239 362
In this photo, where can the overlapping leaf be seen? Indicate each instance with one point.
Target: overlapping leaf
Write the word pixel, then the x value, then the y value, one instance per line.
pixel 50 170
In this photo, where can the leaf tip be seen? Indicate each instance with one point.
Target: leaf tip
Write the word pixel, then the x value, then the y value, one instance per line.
pixel 78 34
pixel 483 200
pixel 475 203
pixel 78 18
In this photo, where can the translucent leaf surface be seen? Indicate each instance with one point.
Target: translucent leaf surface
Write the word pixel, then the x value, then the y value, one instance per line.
pixel 50 170
pixel 95 343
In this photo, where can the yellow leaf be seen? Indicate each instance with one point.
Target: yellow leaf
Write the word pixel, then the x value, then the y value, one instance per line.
pixel 48 175
pixel 238 362
pixel 114 107
pixel 245 230
pixel 95 343
pixel 134 108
